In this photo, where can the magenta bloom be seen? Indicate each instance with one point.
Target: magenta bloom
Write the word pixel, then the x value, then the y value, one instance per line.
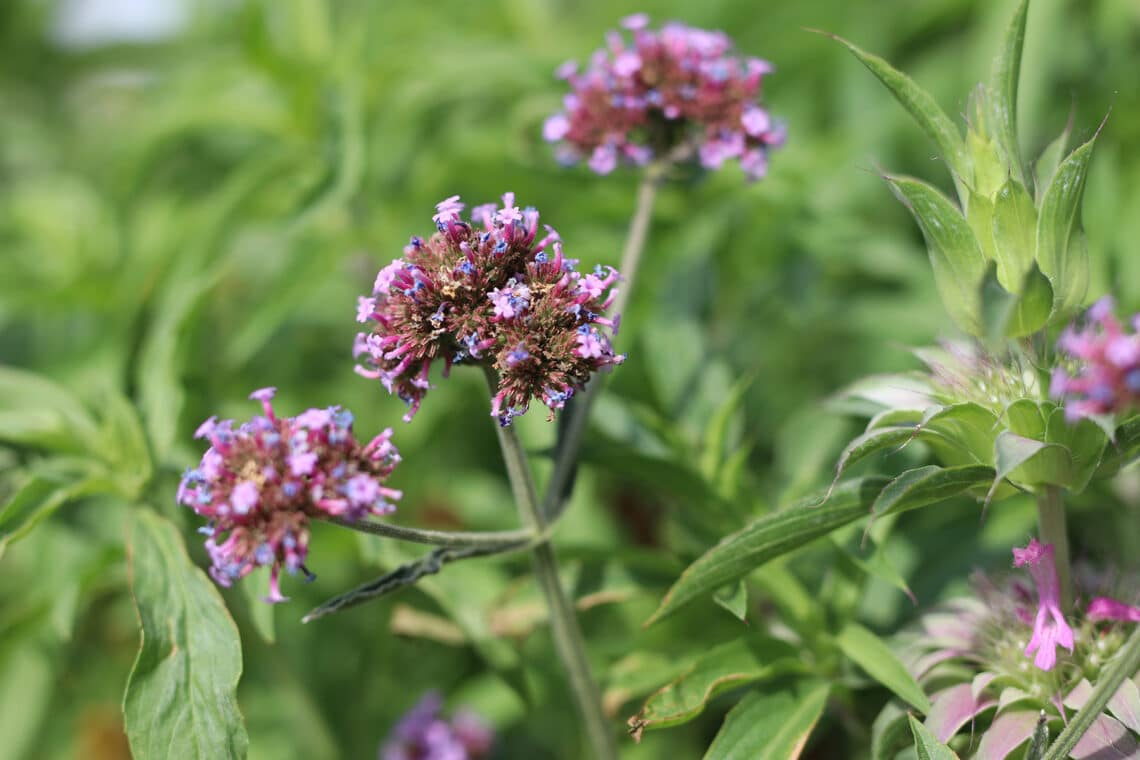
pixel 1103 608
pixel 261 483
pixel 1107 358
pixel 423 734
pixel 489 291
pixel 1050 629
pixel 661 90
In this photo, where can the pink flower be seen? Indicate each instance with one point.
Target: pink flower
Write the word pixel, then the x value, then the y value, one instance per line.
pixel 1103 608
pixel 1050 628
pixel 659 91
pixel 1103 372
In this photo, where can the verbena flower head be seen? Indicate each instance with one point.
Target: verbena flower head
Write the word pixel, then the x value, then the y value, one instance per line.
pixel 423 734
pixel 992 663
pixel 261 482
pixel 488 291
pixel 649 93
pixel 1102 373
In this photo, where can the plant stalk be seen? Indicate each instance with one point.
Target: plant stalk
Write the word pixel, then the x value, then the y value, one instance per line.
pixel 455 539
pixel 578 410
pixel 1052 530
pixel 563 621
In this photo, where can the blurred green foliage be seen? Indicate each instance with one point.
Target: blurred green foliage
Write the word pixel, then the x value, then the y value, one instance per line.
pixel 185 219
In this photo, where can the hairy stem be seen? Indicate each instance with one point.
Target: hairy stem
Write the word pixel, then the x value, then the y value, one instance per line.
pixel 473 539
pixel 1051 527
pixel 578 410
pixel 563 622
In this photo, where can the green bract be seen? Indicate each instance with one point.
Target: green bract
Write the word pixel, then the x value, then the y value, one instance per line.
pixel 1031 242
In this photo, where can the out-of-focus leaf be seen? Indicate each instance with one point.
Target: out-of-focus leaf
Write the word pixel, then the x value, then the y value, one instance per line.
pixel 717 446
pixel 260 612
pixel 1063 259
pixel 767 538
pixel 181 695
pixel 870 653
pixel 959 266
pixel 880 439
pixel 1049 160
pixel 923 108
pixel 38 498
pixel 726 666
pixel 888 731
pixel 1002 95
pixel 35 411
pixel 27 680
pixel 1014 234
pixel 1024 460
pixel 926 746
pixel 124 444
pixel 1009 315
pixel 771 724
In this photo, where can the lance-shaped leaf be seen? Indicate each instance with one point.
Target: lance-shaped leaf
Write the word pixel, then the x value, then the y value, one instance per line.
pixel 1010 315
pixel 1010 729
pixel 888 731
pixel 923 108
pixel 872 442
pixel 729 665
pixel 1002 99
pixel 181 695
pixel 1049 160
pixel 771 724
pixel 769 537
pixel 926 746
pixel 36 411
pixel 39 497
pixel 1027 462
pixel 872 654
pixel 1062 257
pixel 1014 234
pixel 955 255
pixel 927 485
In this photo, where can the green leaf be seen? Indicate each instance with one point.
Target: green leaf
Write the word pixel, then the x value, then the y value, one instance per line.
pixel 36 411
pixel 726 666
pixel 734 599
pixel 38 498
pixel 930 117
pixel 870 653
pixel 1006 315
pixel 767 538
pixel 928 485
pixel 1014 234
pixel 875 565
pixel 1085 442
pixel 1026 462
pixel 181 695
pixel 771 724
pixel 926 746
pixel 717 446
pixel 960 433
pixel 1049 160
pixel 1063 259
pixel 1004 76
pixel 880 439
pixel 887 731
pixel 955 255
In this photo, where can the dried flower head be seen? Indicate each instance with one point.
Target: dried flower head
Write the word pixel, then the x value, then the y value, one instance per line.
pixel 260 483
pixel 660 91
pixel 1103 372
pixel 992 663
pixel 423 734
pixel 488 291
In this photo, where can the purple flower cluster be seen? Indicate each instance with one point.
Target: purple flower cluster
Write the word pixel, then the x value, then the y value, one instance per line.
pixel 261 482
pixel 490 292
pixel 423 734
pixel 665 88
pixel 1106 377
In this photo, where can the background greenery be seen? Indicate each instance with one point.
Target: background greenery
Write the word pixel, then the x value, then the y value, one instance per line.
pixel 185 219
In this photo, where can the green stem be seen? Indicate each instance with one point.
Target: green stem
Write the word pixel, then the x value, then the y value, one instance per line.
pixel 1124 665
pixel 473 539
pixel 578 410
pixel 1051 528
pixel 563 622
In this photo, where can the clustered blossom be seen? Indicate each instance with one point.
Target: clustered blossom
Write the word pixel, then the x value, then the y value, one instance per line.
pixel 1106 355
pixel 423 734
pixel 973 657
pixel 489 291
pixel 260 483
pixel 660 91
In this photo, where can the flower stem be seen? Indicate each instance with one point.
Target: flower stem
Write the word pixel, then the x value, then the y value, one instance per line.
pixel 563 622
pixel 1051 527
pixel 473 539
pixel 578 410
